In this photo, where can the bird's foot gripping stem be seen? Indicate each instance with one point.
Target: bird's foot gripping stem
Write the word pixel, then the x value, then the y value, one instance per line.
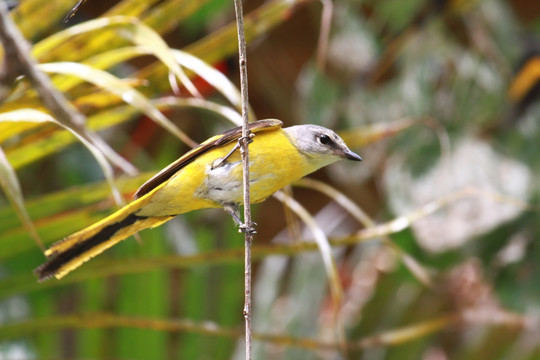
pixel 219 162
pixel 248 228
pixel 232 210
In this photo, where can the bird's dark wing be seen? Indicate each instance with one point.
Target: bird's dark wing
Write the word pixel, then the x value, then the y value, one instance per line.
pixel 212 143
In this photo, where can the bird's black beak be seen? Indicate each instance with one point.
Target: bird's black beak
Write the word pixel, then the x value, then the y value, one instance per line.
pixel 348 154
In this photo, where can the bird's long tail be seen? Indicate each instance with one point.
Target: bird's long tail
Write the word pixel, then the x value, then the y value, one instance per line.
pixel 73 251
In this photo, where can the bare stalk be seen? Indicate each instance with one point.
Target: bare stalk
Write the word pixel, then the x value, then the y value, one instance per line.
pixel 248 225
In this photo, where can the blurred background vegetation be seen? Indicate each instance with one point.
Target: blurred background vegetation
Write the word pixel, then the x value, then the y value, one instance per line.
pixel 438 96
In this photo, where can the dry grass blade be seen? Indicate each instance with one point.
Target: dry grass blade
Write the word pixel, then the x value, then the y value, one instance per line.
pixel 402 222
pixel 408 333
pixel 212 76
pixel 42 147
pixel 365 135
pixel 414 267
pixel 47 45
pixel 20 62
pixel 31 115
pixel 116 267
pixel 12 189
pixel 105 320
pixel 224 111
pixel 116 86
pixel 143 35
pixel 326 252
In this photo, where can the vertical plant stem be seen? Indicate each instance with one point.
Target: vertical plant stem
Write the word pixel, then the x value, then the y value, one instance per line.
pixel 324 34
pixel 248 225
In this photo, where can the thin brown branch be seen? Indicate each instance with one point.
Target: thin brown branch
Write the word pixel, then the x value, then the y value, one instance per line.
pixel 324 33
pixel 244 141
pixel 72 12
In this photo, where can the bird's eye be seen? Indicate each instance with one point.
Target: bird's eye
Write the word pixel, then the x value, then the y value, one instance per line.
pixel 324 139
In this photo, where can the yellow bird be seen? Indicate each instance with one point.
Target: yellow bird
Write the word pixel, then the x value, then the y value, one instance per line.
pixel 209 176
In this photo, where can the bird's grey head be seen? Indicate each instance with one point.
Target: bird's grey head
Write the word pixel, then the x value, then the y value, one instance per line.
pixel 320 144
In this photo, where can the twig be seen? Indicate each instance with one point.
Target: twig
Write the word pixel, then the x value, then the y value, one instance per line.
pixel 324 34
pixel 72 12
pixel 244 141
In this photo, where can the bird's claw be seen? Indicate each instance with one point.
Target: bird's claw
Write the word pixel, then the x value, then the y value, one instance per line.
pixel 248 228
pixel 249 137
